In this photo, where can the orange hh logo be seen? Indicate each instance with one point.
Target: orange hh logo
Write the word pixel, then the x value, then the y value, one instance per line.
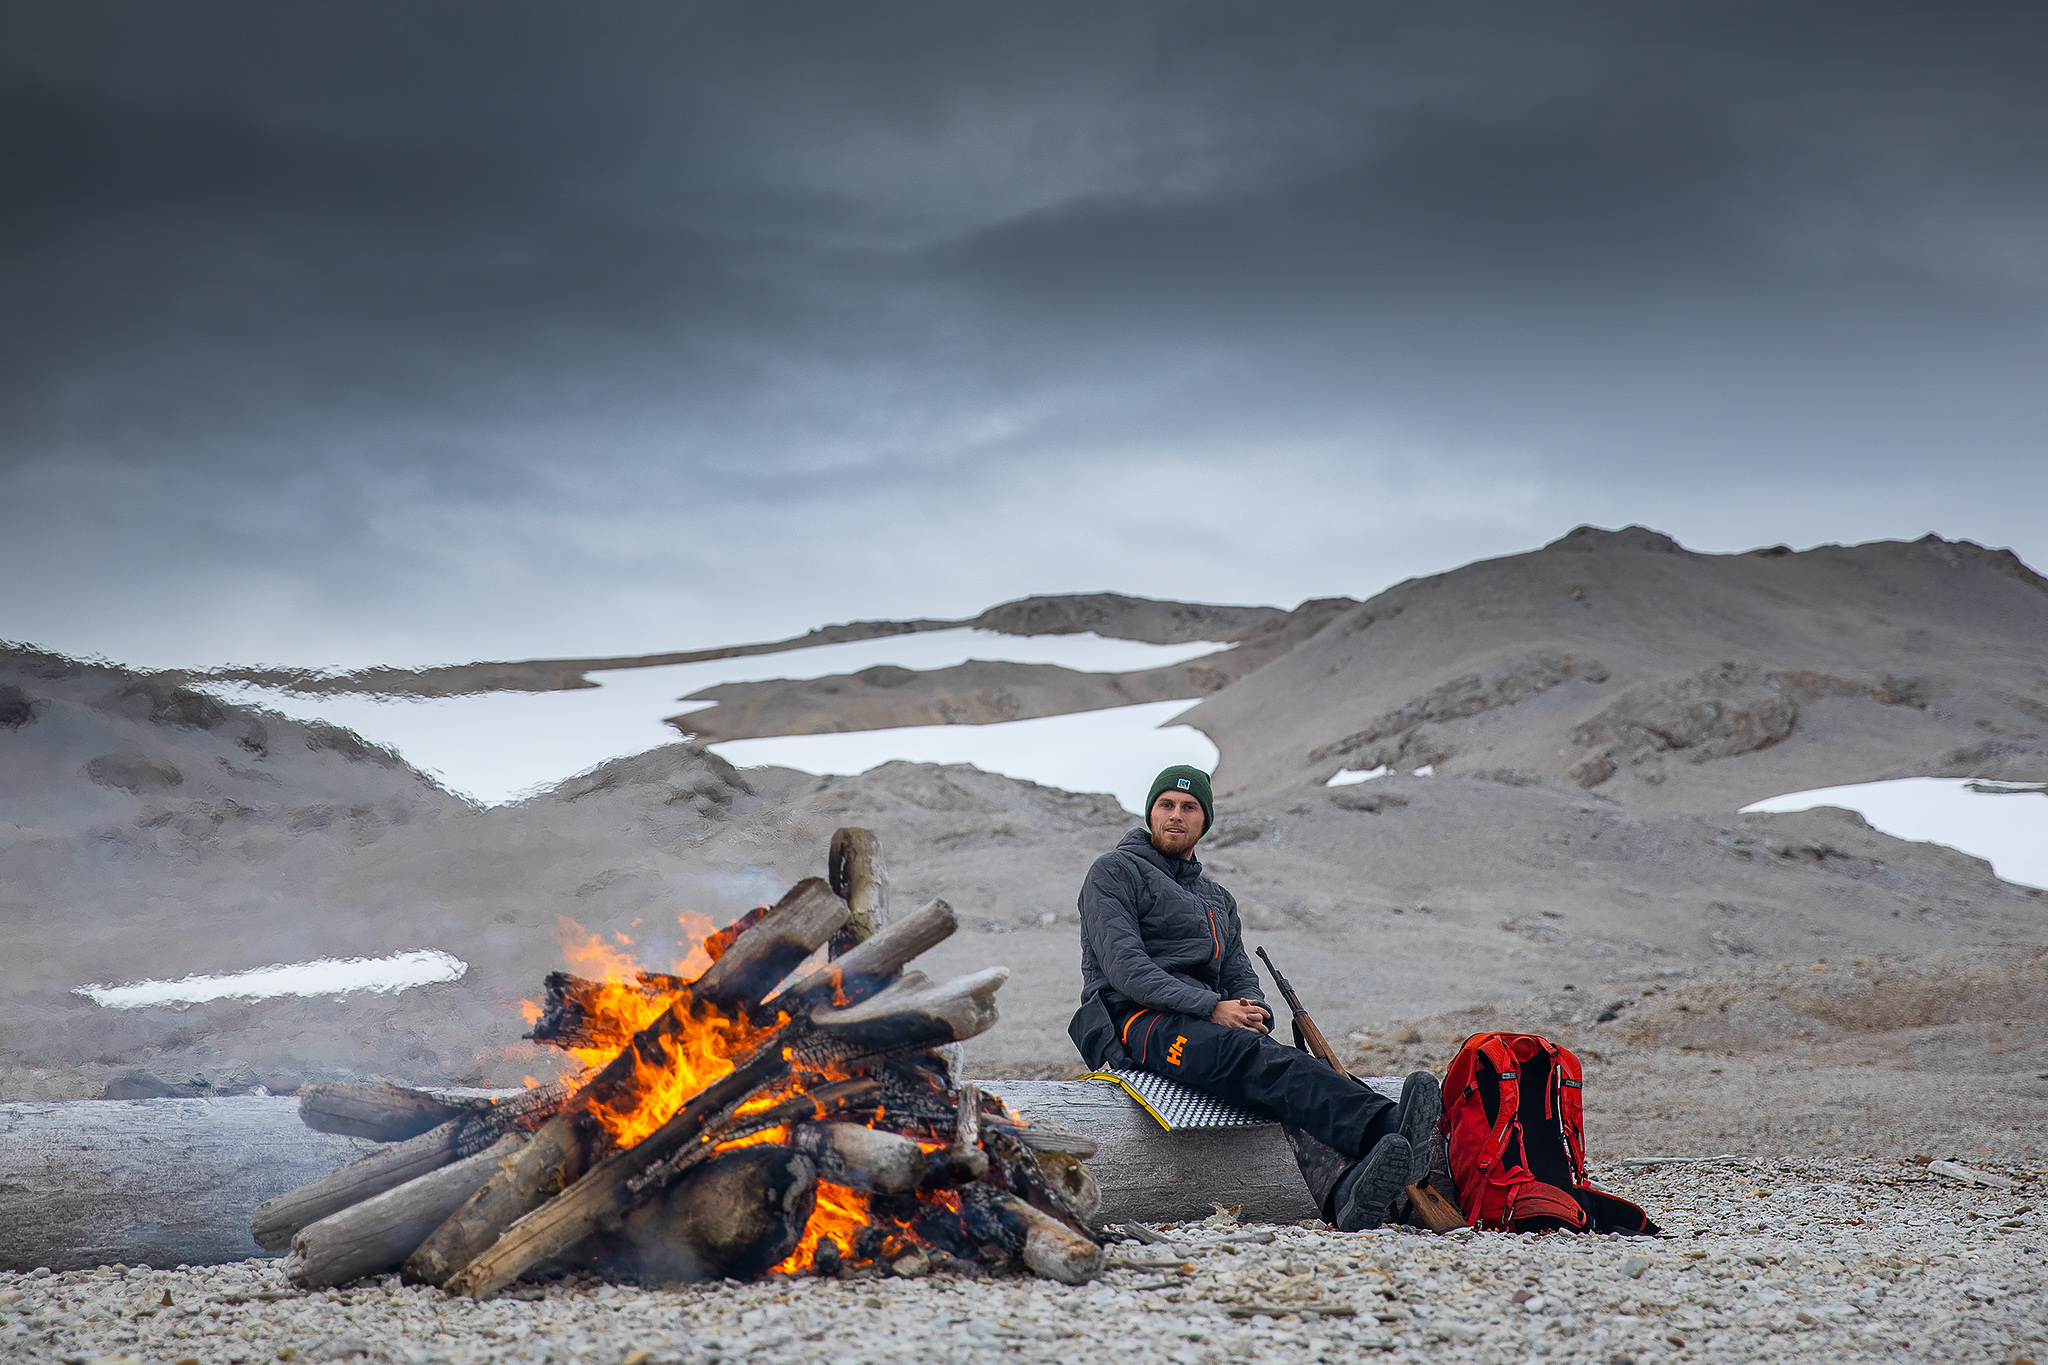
pixel 1173 1053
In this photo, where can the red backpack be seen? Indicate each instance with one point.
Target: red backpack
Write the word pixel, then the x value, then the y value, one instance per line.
pixel 1517 1135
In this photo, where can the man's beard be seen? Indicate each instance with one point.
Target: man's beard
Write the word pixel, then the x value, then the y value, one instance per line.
pixel 1175 845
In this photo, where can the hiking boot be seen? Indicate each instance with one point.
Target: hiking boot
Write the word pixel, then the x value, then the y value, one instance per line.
pixel 1422 1116
pixel 1363 1193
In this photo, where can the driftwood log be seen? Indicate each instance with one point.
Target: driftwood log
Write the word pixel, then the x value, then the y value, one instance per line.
pixel 854 868
pixel 733 1217
pixel 1148 1175
pixel 380 1112
pixel 860 1157
pixel 278 1220
pixel 378 1234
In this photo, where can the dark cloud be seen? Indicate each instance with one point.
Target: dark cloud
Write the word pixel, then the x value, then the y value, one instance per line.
pixel 423 331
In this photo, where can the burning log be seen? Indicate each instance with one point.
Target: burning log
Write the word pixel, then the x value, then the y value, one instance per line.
pixel 854 867
pixel 380 1232
pixel 277 1221
pixel 910 1015
pixel 758 959
pixel 964 1161
pixel 381 1112
pixel 952 1012
pixel 868 966
pixel 861 1158
pixel 731 1218
pixel 606 1192
pixel 564 1148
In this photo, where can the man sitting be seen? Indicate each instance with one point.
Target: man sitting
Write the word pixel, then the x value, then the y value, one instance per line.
pixel 1166 986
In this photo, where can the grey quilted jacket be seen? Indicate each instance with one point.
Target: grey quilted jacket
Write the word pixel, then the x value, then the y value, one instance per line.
pixel 1155 934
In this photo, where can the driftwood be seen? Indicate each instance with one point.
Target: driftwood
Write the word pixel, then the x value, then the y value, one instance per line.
pixel 964 1161
pixel 731 1218
pixel 869 966
pixel 912 1014
pixel 380 1112
pixel 85 1183
pixel 860 1157
pixel 379 1233
pixel 1050 1247
pixel 564 1147
pixel 854 867
pixel 798 926
pixel 605 1193
pixel 277 1221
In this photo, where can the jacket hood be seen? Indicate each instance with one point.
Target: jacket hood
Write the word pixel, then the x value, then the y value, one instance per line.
pixel 1182 870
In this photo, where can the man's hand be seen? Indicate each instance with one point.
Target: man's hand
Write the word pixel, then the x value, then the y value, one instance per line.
pixel 1245 1014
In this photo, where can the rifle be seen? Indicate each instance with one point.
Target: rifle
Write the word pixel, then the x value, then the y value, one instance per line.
pixel 1437 1213
pixel 1304 1026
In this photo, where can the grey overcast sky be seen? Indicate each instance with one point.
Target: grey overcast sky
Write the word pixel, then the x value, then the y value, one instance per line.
pixel 408 333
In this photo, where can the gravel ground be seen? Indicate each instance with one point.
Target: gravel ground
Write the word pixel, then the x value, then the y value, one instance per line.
pixel 1782 1260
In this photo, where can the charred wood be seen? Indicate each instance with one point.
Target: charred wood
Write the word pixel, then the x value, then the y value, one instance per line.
pixel 605 1193
pixel 570 1016
pixel 818 1103
pixel 861 1158
pixel 564 1147
pixel 734 1217
pixel 719 940
pixel 866 969
pixel 964 1161
pixel 1016 1169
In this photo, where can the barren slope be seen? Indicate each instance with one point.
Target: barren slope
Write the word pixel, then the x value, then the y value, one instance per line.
pixel 1666 679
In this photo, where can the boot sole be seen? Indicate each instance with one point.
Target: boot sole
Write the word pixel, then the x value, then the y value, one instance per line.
pixel 1422 1113
pixel 1384 1176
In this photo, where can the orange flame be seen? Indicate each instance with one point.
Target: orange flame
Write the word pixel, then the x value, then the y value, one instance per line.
pixel 705 1046
pixel 840 1214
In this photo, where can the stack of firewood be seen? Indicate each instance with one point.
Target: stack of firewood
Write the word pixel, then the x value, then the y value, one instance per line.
pixel 718 1132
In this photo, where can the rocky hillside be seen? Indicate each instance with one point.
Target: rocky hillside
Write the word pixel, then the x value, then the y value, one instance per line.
pixel 1621 663
pixel 1595 710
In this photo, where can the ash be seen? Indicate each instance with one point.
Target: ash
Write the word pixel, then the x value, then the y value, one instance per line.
pixel 1824 1260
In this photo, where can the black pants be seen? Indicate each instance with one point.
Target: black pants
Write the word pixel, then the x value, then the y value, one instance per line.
pixel 1256 1071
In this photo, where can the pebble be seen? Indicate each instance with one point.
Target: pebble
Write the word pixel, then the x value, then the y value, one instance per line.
pixel 1851 1260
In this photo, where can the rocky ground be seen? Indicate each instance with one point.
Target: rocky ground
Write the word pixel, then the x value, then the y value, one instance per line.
pixel 1816 1259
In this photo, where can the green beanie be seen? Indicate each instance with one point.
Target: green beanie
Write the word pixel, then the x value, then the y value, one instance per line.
pixel 1193 781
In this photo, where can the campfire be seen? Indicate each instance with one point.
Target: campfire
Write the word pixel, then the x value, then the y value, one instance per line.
pixel 741 1121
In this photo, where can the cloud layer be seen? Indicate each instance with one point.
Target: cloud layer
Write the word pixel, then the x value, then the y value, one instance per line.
pixel 413 333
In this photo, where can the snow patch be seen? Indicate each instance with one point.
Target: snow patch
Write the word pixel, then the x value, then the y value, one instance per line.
pixel 2004 823
pixel 324 976
pixel 1116 750
pixel 501 746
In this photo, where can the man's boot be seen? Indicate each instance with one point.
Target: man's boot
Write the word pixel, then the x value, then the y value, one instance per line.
pixel 1422 1116
pixel 1361 1198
